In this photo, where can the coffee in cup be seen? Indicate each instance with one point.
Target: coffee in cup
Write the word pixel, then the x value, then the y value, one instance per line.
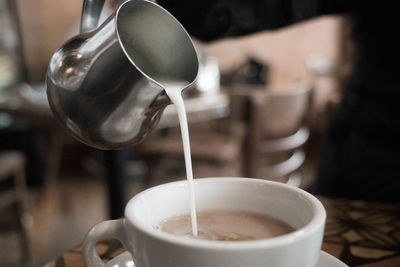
pixel 226 225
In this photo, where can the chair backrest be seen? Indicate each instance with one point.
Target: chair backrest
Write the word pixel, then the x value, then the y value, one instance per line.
pixel 11 52
pixel 279 114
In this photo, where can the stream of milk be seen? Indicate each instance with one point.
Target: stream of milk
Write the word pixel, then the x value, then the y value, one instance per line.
pixel 174 92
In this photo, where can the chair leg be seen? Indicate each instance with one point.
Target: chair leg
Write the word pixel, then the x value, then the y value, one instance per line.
pixel 23 235
pixel 22 214
pixel 53 160
pixel 249 158
pixel 24 242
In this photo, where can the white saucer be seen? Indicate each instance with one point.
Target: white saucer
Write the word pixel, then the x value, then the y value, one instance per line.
pixel 325 260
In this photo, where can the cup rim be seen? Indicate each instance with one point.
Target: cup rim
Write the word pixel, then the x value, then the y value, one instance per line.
pixel 316 222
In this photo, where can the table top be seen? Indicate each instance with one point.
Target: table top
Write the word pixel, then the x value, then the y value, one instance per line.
pixel 25 99
pixel 200 108
pixel 358 233
pixel 31 101
pixel 362 233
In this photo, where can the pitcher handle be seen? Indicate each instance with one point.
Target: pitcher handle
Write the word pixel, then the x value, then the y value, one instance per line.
pixel 107 229
pixel 91 11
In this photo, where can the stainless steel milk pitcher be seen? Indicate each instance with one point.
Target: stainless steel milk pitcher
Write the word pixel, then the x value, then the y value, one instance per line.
pixel 106 84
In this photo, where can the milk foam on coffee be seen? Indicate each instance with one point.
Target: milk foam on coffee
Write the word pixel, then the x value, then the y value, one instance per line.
pixel 174 92
pixel 226 225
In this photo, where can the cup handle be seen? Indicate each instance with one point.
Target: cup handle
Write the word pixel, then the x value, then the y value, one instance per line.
pixel 106 229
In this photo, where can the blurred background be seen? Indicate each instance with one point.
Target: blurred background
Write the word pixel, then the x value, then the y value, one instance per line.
pixel 259 109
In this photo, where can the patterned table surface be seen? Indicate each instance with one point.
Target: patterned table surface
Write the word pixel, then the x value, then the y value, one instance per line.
pixel 358 233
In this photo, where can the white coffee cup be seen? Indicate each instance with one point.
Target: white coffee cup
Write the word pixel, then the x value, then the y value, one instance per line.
pixel 152 248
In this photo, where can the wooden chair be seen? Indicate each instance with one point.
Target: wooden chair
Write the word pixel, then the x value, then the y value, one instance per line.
pixel 13 208
pixel 277 132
